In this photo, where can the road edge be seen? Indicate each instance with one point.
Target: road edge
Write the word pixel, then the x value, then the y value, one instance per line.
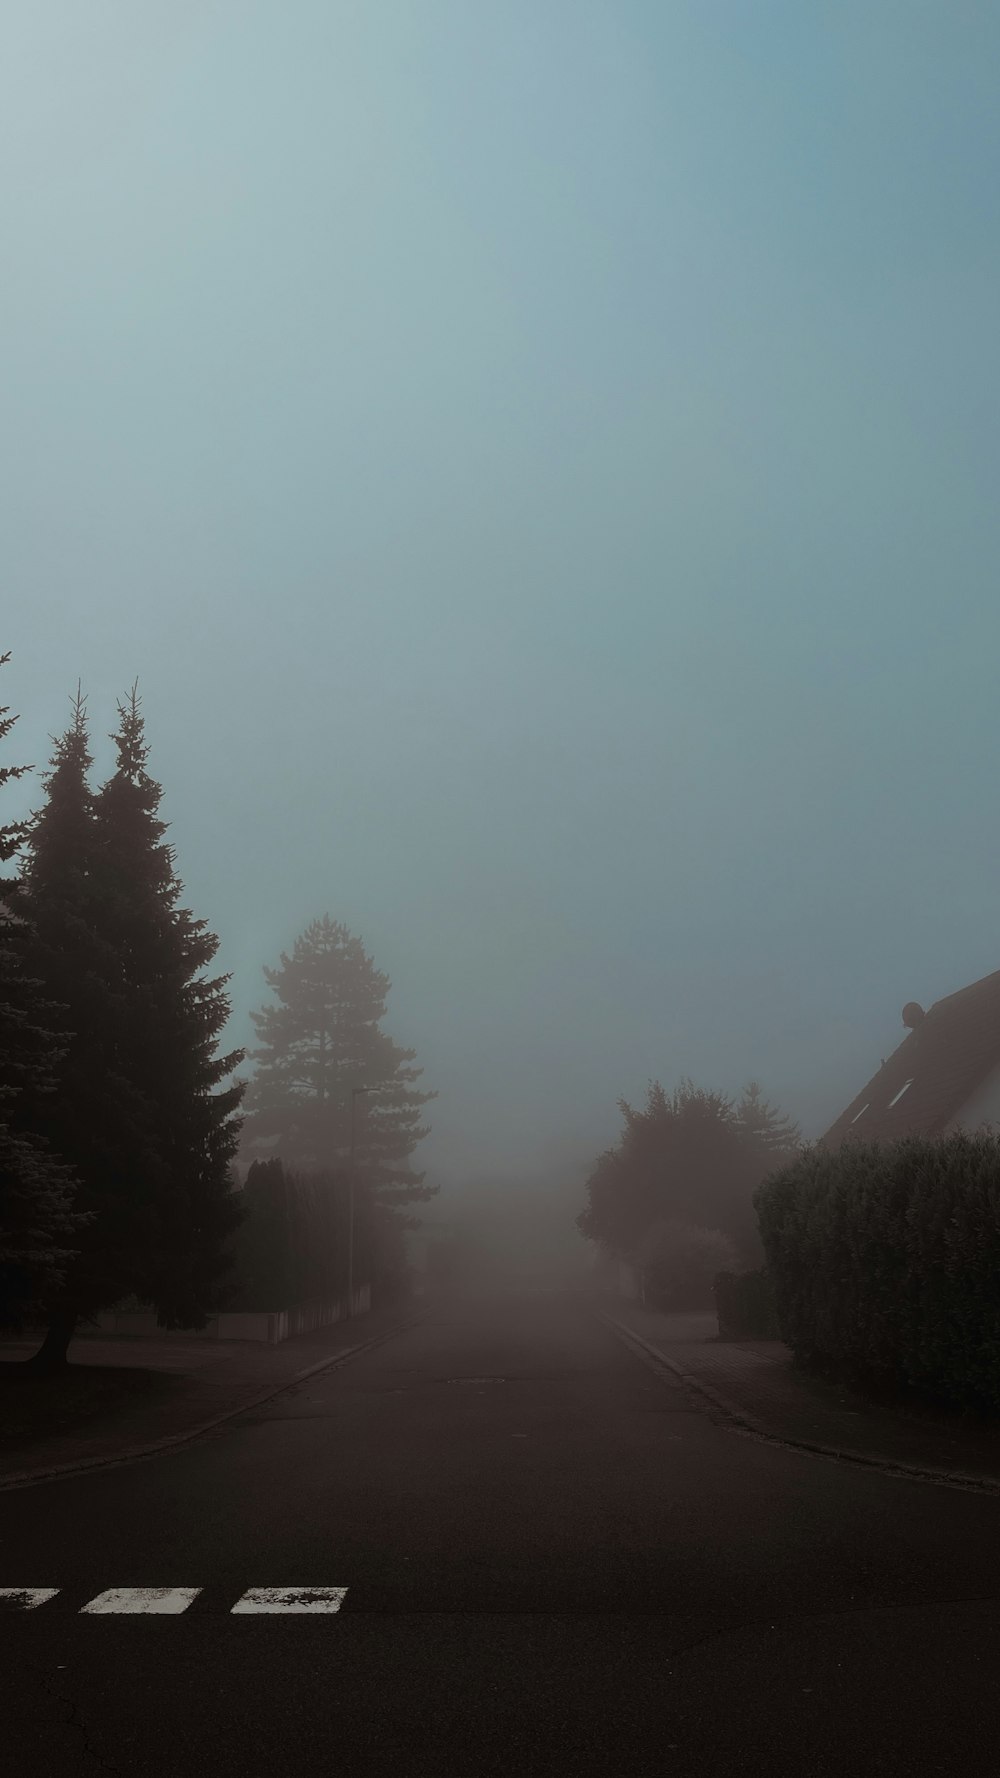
pixel 737 1419
pixel 27 1478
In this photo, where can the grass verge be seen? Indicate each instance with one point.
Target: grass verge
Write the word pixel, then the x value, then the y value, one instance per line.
pixel 34 1406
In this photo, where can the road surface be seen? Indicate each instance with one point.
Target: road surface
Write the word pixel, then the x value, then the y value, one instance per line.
pixel 522 1553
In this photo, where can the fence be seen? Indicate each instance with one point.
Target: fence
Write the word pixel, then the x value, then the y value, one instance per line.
pixel 271 1325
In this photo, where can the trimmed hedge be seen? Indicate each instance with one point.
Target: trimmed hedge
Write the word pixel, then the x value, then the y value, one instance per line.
pixel 745 1305
pixel 886 1262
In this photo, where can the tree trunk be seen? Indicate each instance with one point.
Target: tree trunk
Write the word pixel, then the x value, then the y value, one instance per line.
pixel 51 1354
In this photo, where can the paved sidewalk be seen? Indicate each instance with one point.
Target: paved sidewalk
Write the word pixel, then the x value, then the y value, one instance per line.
pixel 756 1385
pixel 210 1380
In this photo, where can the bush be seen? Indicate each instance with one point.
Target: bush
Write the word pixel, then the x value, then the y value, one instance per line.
pixel 886 1262
pixel 744 1303
pixel 678 1262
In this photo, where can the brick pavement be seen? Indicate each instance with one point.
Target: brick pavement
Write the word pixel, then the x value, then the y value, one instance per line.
pixel 755 1385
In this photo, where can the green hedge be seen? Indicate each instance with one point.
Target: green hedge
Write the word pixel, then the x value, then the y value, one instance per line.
pixel 886 1262
pixel 744 1303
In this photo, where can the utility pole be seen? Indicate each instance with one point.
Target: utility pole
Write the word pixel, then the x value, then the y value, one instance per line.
pixel 356 1094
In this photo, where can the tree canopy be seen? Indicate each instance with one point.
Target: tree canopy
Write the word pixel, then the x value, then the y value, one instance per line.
pixel 694 1157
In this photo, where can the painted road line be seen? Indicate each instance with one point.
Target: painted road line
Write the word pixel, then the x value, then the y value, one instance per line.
pixel 291 1599
pixel 25 1598
pixel 147 1599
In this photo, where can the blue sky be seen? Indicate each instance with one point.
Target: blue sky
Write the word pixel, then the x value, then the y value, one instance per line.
pixel 539 461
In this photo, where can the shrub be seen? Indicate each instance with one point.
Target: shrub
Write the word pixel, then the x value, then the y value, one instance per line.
pixel 679 1260
pixel 744 1303
pixel 886 1262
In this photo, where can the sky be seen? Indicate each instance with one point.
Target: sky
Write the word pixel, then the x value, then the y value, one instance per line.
pixel 539 459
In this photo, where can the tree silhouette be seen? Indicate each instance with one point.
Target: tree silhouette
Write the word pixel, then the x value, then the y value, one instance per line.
pixel 322 1039
pixel 140 1111
pixel 764 1124
pixel 37 1223
pixel 693 1158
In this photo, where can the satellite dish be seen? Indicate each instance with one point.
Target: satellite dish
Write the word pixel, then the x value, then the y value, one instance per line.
pixel 913 1013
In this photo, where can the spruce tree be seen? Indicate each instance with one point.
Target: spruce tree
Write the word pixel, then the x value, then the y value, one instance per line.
pixel 137 1111
pixel 322 1039
pixel 763 1124
pixel 37 1222
pixel 170 1018
pixel 82 1116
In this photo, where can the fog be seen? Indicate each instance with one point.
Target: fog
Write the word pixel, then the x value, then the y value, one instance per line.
pixel 539 462
pixel 494 1234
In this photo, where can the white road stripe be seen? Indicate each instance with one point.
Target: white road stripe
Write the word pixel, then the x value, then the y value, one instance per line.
pixel 25 1598
pixel 150 1599
pixel 291 1599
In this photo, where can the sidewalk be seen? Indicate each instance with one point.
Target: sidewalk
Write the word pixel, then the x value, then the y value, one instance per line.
pixel 198 1383
pixel 754 1385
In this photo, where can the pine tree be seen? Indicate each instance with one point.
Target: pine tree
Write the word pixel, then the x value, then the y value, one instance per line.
pixel 766 1126
pixel 166 1051
pixel 81 1117
pixel 136 1112
pixel 320 1041
pixel 37 1222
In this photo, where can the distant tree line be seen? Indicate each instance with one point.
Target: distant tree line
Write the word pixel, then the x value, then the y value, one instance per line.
pixel 121 1116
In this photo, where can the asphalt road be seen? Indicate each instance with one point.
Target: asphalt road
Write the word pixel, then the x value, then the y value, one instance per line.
pixel 554 1564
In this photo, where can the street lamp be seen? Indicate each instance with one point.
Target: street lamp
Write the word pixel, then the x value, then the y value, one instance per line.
pixel 356 1094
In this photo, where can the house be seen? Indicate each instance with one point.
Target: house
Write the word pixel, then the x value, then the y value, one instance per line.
pixel 944 1076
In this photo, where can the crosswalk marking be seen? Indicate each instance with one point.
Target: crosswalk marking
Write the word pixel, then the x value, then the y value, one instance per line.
pixel 291 1599
pixel 170 1601
pixel 149 1599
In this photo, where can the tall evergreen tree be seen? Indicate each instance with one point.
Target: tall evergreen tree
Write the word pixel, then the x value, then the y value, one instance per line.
pixel 82 1116
pixel 37 1221
pixel 139 1109
pixel 322 1039
pixel 166 1051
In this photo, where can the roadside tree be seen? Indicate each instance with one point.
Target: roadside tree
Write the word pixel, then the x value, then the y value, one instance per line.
pixel 37 1222
pixel 321 1039
pixel 140 1110
pixel 693 1159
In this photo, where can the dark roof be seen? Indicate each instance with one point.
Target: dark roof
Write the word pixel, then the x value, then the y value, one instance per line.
pixel 949 1054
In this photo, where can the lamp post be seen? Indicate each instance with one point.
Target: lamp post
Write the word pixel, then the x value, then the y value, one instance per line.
pixel 356 1094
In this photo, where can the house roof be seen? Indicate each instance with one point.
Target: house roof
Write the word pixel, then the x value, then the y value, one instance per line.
pixel 923 1085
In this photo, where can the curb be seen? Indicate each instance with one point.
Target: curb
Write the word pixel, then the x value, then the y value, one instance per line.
pixel 739 1420
pixel 26 1478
